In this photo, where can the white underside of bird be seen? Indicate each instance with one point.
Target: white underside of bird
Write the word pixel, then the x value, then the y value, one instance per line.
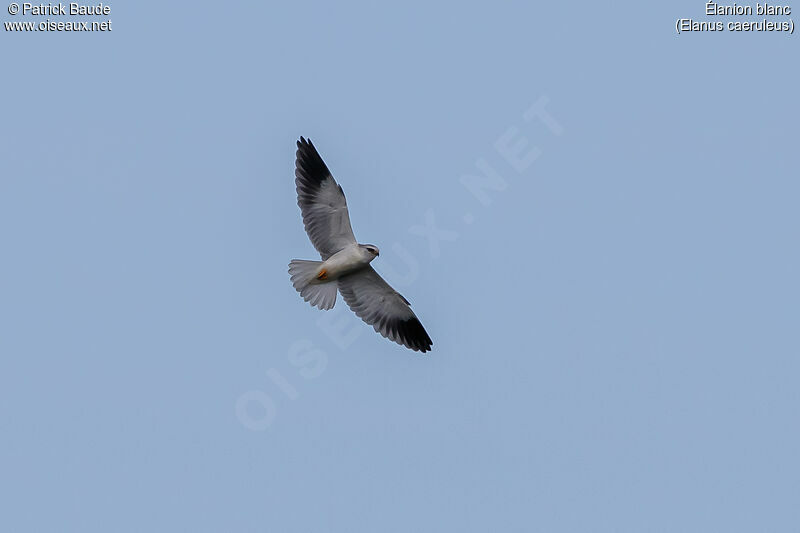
pixel 345 261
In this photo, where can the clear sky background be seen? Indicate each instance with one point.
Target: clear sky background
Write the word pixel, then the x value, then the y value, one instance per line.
pixel 615 327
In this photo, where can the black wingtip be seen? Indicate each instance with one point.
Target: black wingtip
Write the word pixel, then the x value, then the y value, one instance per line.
pixel 309 163
pixel 414 335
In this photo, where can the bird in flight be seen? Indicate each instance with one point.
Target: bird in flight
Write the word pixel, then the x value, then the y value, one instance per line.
pixel 345 263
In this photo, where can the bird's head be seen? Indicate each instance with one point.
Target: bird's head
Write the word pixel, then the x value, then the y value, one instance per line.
pixel 371 250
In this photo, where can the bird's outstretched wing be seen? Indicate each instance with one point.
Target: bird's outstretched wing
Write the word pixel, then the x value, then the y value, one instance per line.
pixel 379 305
pixel 321 201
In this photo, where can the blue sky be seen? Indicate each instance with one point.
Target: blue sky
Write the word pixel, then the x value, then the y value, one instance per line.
pixel 614 319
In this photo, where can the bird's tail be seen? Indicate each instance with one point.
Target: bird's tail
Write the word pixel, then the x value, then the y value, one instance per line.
pixel 318 293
